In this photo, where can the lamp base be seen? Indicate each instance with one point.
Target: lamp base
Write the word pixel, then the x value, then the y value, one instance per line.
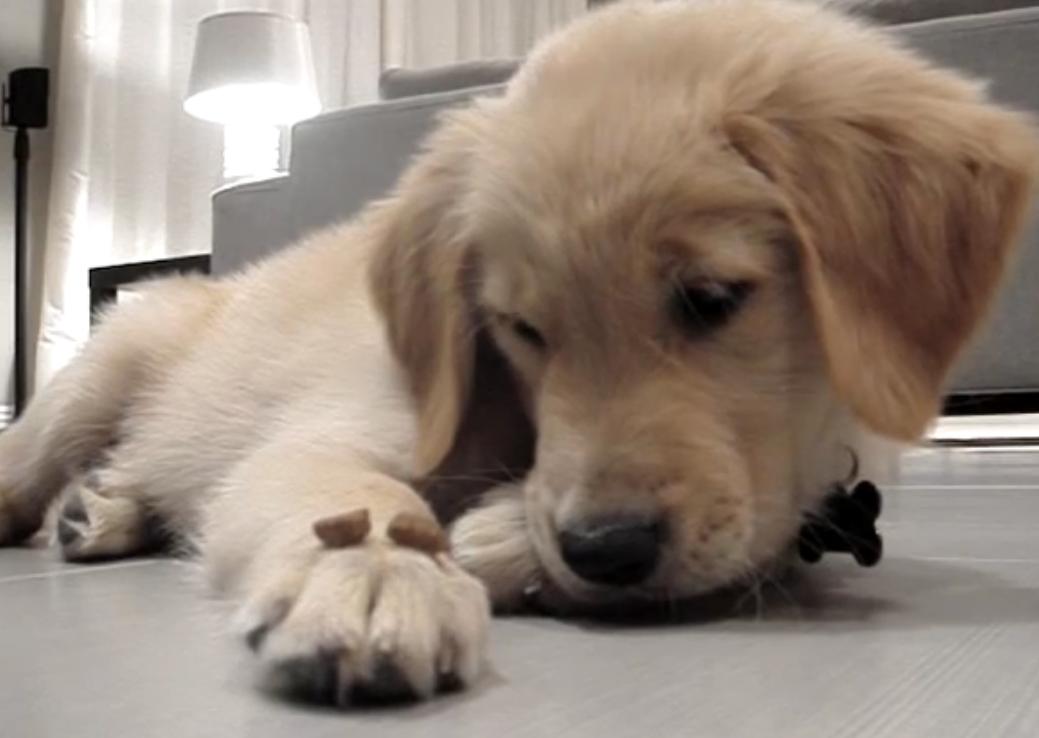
pixel 251 150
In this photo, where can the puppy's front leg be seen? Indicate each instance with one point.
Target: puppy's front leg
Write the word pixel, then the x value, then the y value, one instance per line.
pixel 376 618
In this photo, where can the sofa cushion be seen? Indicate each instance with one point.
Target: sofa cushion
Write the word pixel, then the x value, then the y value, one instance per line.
pixel 398 82
pixel 912 11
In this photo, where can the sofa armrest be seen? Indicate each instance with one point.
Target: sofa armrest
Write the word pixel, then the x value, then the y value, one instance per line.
pixel 1004 48
pixel 347 158
pixel 250 220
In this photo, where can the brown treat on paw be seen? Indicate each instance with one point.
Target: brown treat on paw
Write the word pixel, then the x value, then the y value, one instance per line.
pixel 418 532
pixel 341 531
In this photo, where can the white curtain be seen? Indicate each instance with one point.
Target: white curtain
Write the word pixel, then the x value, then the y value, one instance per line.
pixel 424 33
pixel 132 173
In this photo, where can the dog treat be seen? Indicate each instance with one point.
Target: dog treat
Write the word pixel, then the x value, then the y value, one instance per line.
pixel 418 532
pixel 341 531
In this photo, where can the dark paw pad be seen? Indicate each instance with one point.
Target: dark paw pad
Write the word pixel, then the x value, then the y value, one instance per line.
pixel 311 680
pixel 387 685
pixel 449 683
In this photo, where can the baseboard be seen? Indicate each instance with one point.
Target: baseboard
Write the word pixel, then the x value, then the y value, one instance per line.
pixel 6 415
pixel 1007 402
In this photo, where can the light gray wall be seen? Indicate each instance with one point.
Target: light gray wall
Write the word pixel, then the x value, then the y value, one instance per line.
pixel 28 37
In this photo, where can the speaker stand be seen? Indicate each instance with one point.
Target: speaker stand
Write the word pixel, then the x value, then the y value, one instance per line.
pixel 21 215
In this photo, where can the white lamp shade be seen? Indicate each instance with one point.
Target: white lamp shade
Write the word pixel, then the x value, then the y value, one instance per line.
pixel 252 67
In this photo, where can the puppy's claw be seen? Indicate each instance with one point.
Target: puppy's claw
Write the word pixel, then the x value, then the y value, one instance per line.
pixel 255 637
pixel 254 623
pixel 74 510
pixel 69 534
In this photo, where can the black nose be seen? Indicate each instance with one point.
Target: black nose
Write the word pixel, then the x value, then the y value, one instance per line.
pixel 618 551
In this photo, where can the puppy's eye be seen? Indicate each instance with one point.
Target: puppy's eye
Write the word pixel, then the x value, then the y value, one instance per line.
pixel 523 330
pixel 527 333
pixel 704 305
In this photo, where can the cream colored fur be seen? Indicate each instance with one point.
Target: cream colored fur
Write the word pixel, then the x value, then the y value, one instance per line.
pixel 871 200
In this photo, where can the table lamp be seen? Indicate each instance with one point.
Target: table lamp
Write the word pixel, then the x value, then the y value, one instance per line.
pixel 252 72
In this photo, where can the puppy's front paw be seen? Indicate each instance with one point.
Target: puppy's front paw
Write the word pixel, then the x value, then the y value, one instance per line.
pixel 93 526
pixel 374 622
pixel 492 542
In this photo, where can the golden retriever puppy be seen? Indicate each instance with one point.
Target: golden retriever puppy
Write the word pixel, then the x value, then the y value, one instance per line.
pixel 695 255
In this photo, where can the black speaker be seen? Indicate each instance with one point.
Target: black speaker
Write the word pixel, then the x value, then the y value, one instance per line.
pixel 25 98
pixel 24 107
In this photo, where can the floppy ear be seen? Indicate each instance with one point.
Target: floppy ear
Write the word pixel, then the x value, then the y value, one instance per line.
pixel 419 276
pixel 906 190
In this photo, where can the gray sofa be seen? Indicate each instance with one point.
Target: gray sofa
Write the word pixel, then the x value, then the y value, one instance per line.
pixel 344 159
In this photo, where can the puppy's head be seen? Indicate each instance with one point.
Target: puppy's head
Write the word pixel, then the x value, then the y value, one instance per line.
pixel 711 240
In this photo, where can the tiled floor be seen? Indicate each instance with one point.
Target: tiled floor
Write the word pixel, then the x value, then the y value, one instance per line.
pixel 941 640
